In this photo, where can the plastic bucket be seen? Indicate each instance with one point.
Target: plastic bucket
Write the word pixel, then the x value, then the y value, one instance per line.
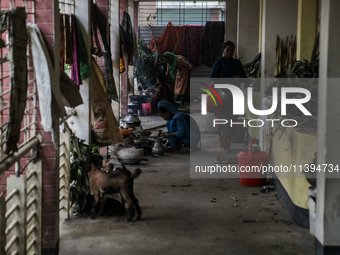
pixel 146 109
pixel 250 166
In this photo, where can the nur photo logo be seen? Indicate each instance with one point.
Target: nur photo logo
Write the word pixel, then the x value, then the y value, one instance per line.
pixel 238 103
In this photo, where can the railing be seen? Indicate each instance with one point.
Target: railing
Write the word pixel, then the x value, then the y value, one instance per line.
pixel 20 225
pixel 64 171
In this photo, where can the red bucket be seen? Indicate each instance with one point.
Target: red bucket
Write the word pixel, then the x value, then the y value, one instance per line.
pixel 250 166
pixel 146 109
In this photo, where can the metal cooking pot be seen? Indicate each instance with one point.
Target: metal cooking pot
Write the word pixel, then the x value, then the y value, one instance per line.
pixel 142 142
pixel 143 133
pixel 133 105
pixel 131 161
pixel 127 125
pixel 132 118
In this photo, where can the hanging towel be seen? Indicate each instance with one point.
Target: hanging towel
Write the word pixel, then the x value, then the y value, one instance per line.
pixel 75 71
pixel 17 36
pixel 42 68
pixel 69 41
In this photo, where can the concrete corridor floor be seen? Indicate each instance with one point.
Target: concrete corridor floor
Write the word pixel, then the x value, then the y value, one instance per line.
pixel 182 215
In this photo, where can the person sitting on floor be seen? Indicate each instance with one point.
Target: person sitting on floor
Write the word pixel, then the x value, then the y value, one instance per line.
pixel 182 128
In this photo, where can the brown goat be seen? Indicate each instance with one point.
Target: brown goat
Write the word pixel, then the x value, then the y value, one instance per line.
pixel 118 181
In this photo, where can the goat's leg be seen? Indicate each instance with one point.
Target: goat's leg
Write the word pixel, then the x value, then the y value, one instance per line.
pixel 126 196
pixel 122 211
pixel 123 200
pixel 139 211
pixel 102 204
pixel 96 206
pixel 136 205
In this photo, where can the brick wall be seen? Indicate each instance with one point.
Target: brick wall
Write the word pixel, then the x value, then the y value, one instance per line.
pixel 46 152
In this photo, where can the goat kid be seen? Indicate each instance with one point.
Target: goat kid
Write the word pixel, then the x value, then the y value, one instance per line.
pixel 107 166
pixel 118 181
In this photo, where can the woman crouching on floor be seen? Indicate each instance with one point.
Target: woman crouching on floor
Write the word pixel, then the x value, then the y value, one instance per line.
pixel 182 128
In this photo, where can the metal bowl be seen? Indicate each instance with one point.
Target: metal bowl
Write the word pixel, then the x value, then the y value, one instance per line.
pixel 131 161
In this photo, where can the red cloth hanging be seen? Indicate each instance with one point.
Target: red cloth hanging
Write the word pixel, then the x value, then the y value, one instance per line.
pixel 171 39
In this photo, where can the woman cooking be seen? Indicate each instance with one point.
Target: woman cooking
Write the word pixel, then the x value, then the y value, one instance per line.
pixel 179 68
pixel 225 67
pixel 182 129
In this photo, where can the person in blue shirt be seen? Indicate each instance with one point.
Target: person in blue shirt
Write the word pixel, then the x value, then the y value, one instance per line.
pixel 226 67
pixel 182 128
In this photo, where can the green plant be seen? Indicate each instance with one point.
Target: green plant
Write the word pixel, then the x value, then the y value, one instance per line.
pixel 149 65
pixel 301 69
pixel 150 18
pixel 253 69
pixel 80 188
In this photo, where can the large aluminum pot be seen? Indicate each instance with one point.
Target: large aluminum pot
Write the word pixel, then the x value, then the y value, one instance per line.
pixel 132 118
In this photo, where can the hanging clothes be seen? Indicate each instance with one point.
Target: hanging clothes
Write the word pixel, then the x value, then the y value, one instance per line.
pixel 75 71
pixel 69 41
pixel 128 37
pixel 96 48
pixel 122 49
pixel 17 39
pixel 212 42
pixel 85 69
pixel 110 82
pixel 171 40
pixel 193 44
pixel 81 69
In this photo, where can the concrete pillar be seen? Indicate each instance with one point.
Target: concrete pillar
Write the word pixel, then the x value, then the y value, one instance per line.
pixel 231 21
pixel 248 29
pixel 328 192
pixel 306 30
pixel 279 17
pixel 81 123
pixel 260 25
